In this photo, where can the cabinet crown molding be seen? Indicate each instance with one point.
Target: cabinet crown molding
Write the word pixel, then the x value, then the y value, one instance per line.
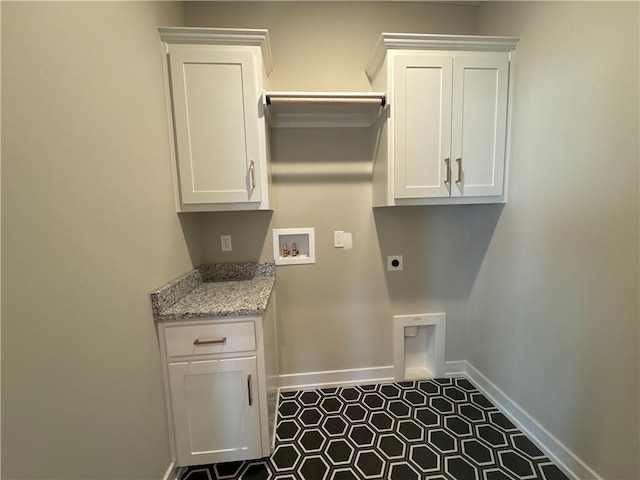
pixel 221 36
pixel 418 41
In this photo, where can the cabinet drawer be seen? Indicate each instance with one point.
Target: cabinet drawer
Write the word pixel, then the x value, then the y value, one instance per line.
pixel 182 340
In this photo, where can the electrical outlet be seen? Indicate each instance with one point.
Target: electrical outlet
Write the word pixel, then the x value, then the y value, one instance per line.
pixel 394 263
pixel 225 243
pixel 338 239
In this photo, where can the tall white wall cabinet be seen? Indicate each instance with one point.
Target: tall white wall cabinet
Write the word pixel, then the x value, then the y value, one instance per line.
pixel 444 138
pixel 215 79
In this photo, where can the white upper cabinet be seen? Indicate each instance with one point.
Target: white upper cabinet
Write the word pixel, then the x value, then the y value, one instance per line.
pixel 216 83
pixel 443 140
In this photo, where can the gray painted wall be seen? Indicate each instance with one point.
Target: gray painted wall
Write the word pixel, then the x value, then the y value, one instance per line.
pixel 541 295
pixel 554 308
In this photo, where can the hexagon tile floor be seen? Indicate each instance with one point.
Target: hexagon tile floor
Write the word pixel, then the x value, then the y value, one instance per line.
pixel 442 429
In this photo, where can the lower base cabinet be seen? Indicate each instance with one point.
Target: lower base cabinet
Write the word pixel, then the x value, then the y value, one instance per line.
pixel 216 413
pixel 221 382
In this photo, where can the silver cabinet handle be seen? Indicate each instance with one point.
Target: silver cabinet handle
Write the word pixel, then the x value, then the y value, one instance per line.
pixel 249 390
pixel 197 341
pixel 459 160
pixel 448 178
pixel 251 171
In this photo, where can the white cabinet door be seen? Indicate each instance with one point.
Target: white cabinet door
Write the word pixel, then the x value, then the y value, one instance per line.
pixel 480 87
pixel 422 125
pixel 215 107
pixel 216 414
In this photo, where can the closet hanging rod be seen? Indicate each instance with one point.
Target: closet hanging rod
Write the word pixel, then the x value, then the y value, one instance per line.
pixel 326 99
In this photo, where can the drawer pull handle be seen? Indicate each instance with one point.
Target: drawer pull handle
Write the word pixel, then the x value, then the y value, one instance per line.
pixel 210 342
pixel 249 390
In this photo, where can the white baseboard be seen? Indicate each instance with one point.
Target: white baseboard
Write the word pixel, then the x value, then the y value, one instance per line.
pixel 336 378
pixel 564 458
pixel 455 369
pixel 173 472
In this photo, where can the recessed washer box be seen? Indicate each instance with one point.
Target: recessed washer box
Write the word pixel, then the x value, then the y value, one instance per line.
pixel 283 246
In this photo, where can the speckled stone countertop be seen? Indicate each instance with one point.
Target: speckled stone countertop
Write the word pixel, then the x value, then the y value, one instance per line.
pixel 218 290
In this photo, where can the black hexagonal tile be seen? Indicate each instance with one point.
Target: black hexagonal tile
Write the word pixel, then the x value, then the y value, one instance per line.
pixel 285 457
pixel 373 401
pixel 331 405
pixel 410 430
pixel 458 425
pixel 256 471
pixel 460 469
pixel 481 401
pixel 471 412
pixel 369 464
pixel 288 409
pixel 309 398
pixel 443 381
pixel 454 393
pixel 465 384
pixel 390 391
pixel 368 388
pixel 311 417
pixel 287 430
pixel 403 471
pixel 381 421
pixel 478 452
pixel 399 409
pixel 355 413
pixel 334 426
pixel 312 441
pixel 427 417
pixel 526 446
pixel 329 391
pixel 491 435
pixel 503 422
pixel 350 394
pixel 429 387
pixel 425 458
pixel 362 436
pixel 441 404
pixel 391 446
pixel 415 398
pixel 406 385
pixel 552 472
pixel 339 451
pixel 516 463
pixel 497 474
pixel 443 441
pixel 313 468
pixel 344 474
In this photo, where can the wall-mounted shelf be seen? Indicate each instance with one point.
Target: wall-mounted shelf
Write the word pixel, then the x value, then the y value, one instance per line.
pixel 323 109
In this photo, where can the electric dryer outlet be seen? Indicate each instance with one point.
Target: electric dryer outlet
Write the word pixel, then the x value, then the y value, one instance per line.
pixel 394 263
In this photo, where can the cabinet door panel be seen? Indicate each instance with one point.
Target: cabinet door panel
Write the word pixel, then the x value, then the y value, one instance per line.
pixel 479 125
pixel 422 116
pixel 213 419
pixel 216 122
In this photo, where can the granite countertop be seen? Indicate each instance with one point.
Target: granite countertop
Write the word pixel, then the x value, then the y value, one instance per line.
pixel 217 290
